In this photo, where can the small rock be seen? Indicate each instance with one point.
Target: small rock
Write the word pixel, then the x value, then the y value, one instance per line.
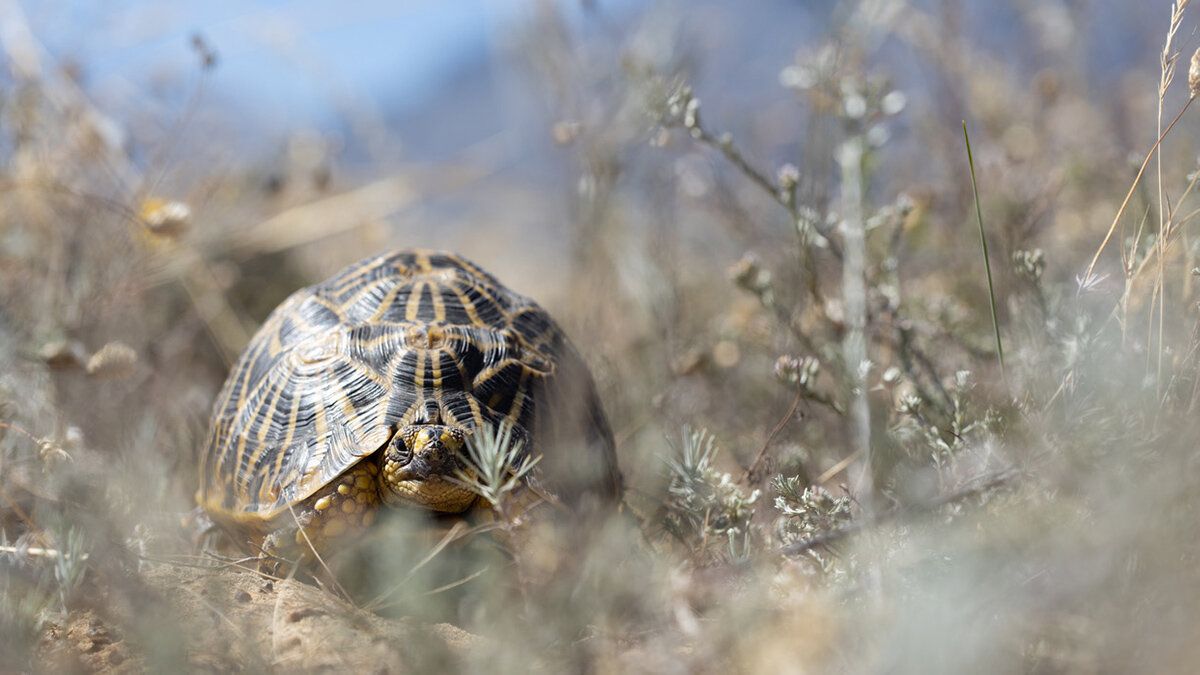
pixel 242 596
pixel 304 613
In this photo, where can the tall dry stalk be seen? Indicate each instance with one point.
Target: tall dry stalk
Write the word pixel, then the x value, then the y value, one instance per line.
pixel 854 294
pixel 1167 61
pixel 1130 268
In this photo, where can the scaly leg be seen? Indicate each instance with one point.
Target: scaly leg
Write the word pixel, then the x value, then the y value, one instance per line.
pixel 344 508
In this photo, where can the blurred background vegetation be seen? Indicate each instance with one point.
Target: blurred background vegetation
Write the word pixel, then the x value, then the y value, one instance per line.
pixel 757 221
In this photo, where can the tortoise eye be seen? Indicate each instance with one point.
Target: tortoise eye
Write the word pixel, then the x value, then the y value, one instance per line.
pixel 400 447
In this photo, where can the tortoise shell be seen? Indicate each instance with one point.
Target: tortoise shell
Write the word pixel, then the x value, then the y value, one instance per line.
pixel 411 337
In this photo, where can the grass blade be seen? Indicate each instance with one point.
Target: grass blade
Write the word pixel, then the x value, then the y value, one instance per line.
pixel 987 264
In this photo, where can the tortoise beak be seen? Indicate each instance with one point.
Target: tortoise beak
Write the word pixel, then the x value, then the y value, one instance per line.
pixel 434 452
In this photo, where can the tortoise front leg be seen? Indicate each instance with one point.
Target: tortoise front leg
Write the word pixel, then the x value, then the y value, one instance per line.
pixel 330 517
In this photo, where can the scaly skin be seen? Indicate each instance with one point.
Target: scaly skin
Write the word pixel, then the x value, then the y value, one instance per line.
pixel 339 511
pixel 343 509
pixel 418 476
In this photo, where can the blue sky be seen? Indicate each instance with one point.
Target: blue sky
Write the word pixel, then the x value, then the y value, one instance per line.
pixel 284 59
pixel 293 64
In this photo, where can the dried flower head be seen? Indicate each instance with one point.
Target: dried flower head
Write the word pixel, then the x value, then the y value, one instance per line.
pixel 114 360
pixel 166 218
pixel 749 274
pixel 52 454
pixel 204 51
pixel 1030 264
pixel 1194 75
pixel 808 510
pixel 788 176
pixel 892 375
pixel 910 404
pixel 797 371
pixel 682 109
pixel 566 131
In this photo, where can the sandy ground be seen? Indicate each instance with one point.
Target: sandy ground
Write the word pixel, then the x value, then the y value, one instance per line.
pixel 231 621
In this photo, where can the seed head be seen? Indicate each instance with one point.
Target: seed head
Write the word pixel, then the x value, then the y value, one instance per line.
pixel 1194 75
pixel 797 371
pixel 163 217
pixel 788 176
pixel 114 360
pixel 751 276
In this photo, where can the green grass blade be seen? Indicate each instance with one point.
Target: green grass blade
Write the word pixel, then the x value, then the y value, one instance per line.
pixel 987 264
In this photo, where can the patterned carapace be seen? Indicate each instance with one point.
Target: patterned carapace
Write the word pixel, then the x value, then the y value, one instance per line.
pixel 409 338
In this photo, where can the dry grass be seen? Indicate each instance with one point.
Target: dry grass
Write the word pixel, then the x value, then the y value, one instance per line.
pixel 789 324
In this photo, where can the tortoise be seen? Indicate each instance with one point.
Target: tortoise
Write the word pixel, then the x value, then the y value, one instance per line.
pixel 360 392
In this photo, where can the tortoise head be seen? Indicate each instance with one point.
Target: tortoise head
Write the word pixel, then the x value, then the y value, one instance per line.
pixel 417 463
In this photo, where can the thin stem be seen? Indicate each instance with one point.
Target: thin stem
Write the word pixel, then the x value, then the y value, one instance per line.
pixel 854 297
pixel 1129 195
pixel 735 157
pixel 755 466
pixel 39 552
pixel 987 263
pixel 1168 60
